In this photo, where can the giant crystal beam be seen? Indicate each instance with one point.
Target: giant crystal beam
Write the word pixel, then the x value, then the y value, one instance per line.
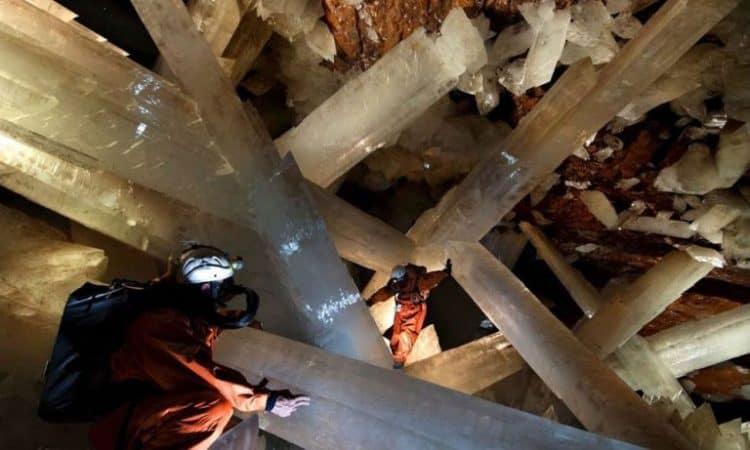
pixel 557 102
pixel 267 195
pixel 359 237
pixel 519 164
pixel 639 366
pixel 472 367
pixel 38 270
pixel 621 316
pixel 585 295
pixel 156 223
pixel 370 110
pixel 603 402
pixel 695 345
pixel 644 371
pixel 435 416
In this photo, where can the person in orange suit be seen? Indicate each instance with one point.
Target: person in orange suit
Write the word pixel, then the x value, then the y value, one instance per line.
pixel 411 284
pixel 190 399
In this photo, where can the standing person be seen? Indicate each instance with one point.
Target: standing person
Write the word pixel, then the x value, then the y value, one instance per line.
pixel 186 399
pixel 411 284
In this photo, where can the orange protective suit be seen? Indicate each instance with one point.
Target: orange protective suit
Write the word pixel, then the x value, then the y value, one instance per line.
pixel 411 307
pixel 193 397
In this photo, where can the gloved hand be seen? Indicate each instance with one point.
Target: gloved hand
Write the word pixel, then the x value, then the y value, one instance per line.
pixel 448 267
pixel 285 405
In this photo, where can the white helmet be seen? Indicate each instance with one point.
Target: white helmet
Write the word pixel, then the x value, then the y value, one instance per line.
pixel 398 273
pixel 203 264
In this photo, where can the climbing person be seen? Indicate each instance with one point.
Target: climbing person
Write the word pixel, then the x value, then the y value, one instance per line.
pixel 163 389
pixel 411 284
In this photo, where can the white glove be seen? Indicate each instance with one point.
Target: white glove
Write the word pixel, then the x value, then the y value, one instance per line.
pixel 286 406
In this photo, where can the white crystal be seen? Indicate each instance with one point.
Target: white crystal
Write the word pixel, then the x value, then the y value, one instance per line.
pixel 646 372
pixel 715 219
pixel 547 47
pixel 290 18
pixel 308 83
pixel 589 19
pixel 372 108
pixel 582 292
pixel 629 309
pixel 513 41
pixel 682 78
pixel 426 346
pixel 664 227
pixel 600 207
pixel 705 255
pixel 589 34
pixel 482 24
pixel 694 173
pixel 736 243
pixel 698 172
pixel 320 40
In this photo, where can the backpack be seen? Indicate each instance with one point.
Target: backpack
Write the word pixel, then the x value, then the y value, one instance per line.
pixel 95 321
pixel 77 386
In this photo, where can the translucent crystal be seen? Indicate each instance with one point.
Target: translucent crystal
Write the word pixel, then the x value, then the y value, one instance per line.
pixel 308 83
pixel 622 315
pixel 703 343
pixel 589 34
pixel 352 403
pixel 290 18
pixel 383 314
pixel 589 20
pixel 471 367
pixel 555 354
pixel 514 40
pixel 698 172
pixel 661 226
pixel 486 195
pixel 685 76
pixel 217 21
pixel 372 108
pixel 426 346
pixel 320 40
pixel 550 28
pixel 40 264
pixel 601 208
pixel 512 75
pixel 649 374
pixel 701 427
pixel 715 219
pixel 736 242
pixel 582 292
pixel 507 245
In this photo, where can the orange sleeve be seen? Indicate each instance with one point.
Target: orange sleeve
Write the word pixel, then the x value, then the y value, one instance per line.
pixel 430 280
pixel 381 295
pixel 173 357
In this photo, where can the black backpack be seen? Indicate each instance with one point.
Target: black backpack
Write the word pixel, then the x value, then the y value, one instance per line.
pixel 77 385
pixel 77 381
